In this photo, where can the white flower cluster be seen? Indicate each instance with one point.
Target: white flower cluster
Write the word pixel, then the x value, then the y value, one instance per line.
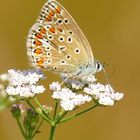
pixel 24 83
pixel 104 94
pixel 68 99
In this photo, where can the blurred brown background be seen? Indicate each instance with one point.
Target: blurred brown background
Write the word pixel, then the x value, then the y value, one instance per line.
pixel 113 29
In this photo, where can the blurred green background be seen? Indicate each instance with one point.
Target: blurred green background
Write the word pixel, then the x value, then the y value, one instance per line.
pixel 113 29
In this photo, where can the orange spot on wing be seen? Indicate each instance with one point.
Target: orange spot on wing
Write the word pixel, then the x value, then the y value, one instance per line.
pixel 43 30
pixel 38 43
pixel 60 29
pixel 52 29
pixel 49 17
pixel 38 35
pixel 40 62
pixel 52 12
pixel 58 9
pixel 38 51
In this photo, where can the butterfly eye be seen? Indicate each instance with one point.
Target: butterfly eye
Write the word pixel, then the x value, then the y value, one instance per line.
pixel 99 66
pixel 77 51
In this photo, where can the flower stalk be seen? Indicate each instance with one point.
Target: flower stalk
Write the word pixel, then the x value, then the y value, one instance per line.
pixel 52 132
pixel 78 114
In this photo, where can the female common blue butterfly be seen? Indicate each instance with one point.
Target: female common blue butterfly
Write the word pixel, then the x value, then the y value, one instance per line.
pixel 56 43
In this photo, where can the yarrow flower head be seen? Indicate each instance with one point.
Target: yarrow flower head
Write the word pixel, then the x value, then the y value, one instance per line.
pixel 68 99
pixel 24 83
pixel 104 94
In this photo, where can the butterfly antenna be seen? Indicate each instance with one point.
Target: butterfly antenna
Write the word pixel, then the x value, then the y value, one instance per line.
pixel 113 71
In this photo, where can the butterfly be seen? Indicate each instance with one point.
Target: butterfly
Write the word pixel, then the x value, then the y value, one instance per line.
pixel 56 43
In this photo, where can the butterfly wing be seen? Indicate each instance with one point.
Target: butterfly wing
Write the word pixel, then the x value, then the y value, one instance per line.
pixel 46 53
pixel 55 41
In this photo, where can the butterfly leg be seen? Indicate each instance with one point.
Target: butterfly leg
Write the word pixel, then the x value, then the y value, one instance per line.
pixel 65 79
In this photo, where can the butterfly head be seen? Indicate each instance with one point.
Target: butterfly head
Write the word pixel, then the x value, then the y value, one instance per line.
pixel 99 66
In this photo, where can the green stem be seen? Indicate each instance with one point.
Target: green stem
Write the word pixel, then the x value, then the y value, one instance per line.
pixel 44 110
pixel 43 116
pixel 78 114
pixel 28 138
pixel 55 110
pixel 53 127
pixel 21 128
pixel 60 116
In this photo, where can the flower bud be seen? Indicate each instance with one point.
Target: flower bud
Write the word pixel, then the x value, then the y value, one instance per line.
pixel 16 111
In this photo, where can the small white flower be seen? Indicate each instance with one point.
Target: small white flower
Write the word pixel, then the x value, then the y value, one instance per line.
pixel 117 96
pixel 24 83
pixel 37 89
pixel 69 100
pixel 81 99
pixel 11 91
pixel 104 94
pixel 106 101
pixel 55 86
pixel 24 77
pixel 63 94
pixel 67 105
